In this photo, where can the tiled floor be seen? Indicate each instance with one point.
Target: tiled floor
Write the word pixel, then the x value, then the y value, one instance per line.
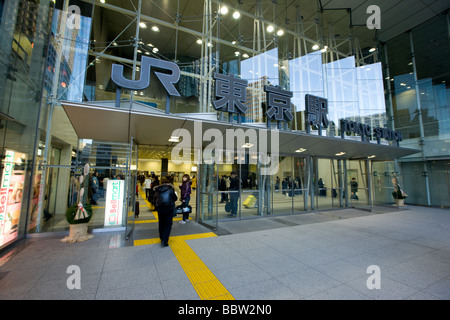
pixel 322 260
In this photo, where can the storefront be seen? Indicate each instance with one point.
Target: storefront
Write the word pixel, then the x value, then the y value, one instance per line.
pixel 280 171
pixel 62 106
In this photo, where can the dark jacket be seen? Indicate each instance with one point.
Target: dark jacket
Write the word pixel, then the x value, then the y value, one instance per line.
pixel 185 190
pixel 234 186
pixel 165 196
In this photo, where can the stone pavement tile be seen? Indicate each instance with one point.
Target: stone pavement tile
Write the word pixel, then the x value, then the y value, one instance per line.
pixel 314 257
pixel 178 288
pixel 341 292
pixel 17 283
pixel 307 281
pixel 423 295
pixel 410 275
pixel 428 242
pixel 270 289
pixel 240 275
pixel 389 290
pixel 117 279
pixel 142 291
pixel 429 264
pixel 280 265
pixel 440 289
pixel 57 289
pixel 342 271
pixel 222 260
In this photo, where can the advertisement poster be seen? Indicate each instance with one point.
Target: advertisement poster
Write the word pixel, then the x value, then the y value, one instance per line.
pixel 11 191
pixel 114 202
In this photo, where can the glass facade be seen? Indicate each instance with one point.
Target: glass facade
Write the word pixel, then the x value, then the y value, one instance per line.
pixel 63 51
pixel 417 80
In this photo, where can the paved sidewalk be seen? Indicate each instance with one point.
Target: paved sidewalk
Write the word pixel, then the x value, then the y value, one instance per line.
pixel 273 258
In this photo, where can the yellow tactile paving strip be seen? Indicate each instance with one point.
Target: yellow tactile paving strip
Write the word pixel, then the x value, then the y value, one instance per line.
pixel 205 283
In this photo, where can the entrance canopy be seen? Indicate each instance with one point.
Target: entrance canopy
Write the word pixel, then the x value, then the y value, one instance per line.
pixel 151 126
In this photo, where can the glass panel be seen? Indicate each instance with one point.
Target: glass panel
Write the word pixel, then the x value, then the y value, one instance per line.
pixel 224 193
pixel 324 184
pixel 357 188
pixel 337 189
pixel 282 182
pixel 259 70
pixel 440 183
pixel 208 195
pixel 382 174
pixel 301 183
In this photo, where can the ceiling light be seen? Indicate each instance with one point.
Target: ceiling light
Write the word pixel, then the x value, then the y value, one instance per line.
pixel 210 44
pixel 199 41
pixel 300 150
pixel 102 1
pixel 324 49
pixel 270 28
pixel 150 45
pixel 248 145
pixel 280 32
pixel 142 25
pixel 237 53
pixel 233 42
pixel 315 47
pixel 372 156
pixel 174 139
pixel 223 10
pixel 155 50
pixel 147 53
pixel 245 55
pixel 372 49
pixel 403 84
pixel 340 154
pixel 114 43
pixel 236 15
pixel 155 28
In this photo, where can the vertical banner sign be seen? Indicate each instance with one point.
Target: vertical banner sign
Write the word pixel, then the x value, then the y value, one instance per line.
pixel 11 190
pixel 114 202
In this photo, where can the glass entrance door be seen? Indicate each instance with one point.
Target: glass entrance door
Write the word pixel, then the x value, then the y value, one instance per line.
pixel 358 184
pixel 208 196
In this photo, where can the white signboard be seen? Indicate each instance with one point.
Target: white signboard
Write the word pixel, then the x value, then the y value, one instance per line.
pixel 114 202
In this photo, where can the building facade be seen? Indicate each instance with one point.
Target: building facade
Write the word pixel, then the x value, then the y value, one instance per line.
pixel 60 108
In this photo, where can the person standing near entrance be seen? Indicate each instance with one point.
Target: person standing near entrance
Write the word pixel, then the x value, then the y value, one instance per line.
pixel 234 193
pixel 147 187
pixel 185 188
pixel 165 198
pixel 354 188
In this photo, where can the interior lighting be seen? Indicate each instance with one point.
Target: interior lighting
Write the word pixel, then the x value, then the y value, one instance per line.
pixel 270 28
pixel 224 10
pixel 300 150
pixel 247 145
pixel 340 154
pixel 142 25
pixel 315 47
pixel 280 32
pixel 155 29
pixel 236 15
pixel 174 139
